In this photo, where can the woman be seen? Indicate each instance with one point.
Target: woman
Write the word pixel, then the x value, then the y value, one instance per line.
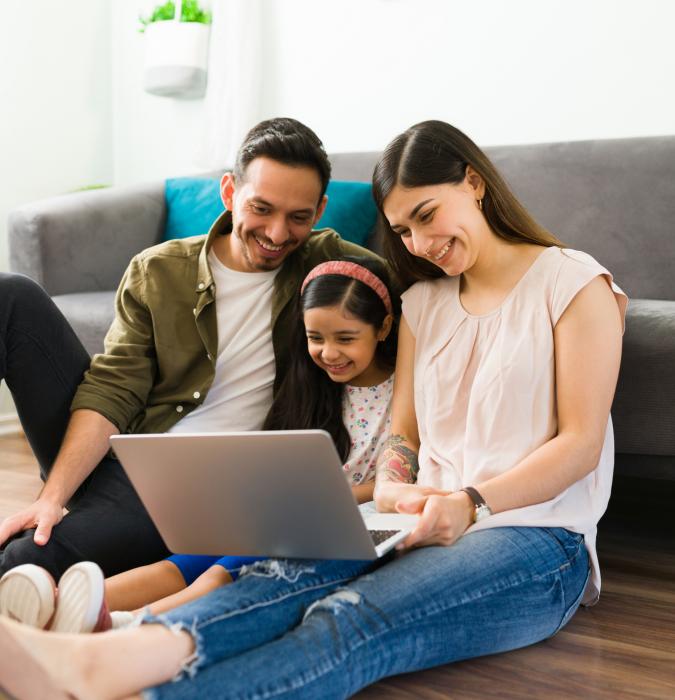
pixel 509 351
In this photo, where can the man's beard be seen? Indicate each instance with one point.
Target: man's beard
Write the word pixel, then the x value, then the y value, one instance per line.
pixel 243 236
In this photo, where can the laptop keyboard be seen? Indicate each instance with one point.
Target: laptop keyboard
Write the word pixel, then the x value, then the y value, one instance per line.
pixel 379 536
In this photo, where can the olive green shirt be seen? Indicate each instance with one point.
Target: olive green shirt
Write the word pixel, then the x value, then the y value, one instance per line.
pixel 160 351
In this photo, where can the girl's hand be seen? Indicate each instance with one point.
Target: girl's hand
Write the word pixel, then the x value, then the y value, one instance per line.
pixel 363 492
pixel 443 518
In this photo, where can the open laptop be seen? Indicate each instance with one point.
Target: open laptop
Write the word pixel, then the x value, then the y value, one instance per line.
pixel 263 493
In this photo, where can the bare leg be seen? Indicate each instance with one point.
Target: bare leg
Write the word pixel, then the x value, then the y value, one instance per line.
pixel 212 578
pixel 21 676
pixel 102 666
pixel 138 587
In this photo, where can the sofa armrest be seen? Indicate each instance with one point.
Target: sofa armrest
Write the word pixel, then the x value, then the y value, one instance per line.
pixel 644 405
pixel 83 241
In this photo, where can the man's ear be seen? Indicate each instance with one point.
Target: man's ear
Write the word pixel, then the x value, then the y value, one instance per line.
pixel 320 209
pixel 386 327
pixel 475 181
pixel 227 190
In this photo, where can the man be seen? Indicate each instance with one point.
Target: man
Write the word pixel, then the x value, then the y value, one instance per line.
pixel 198 342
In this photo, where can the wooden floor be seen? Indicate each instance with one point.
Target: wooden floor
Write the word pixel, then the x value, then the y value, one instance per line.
pixel 623 648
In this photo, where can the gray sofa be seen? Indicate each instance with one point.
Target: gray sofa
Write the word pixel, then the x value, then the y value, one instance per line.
pixel 614 199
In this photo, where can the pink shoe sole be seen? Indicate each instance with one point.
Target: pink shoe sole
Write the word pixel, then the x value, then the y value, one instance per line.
pixel 27 594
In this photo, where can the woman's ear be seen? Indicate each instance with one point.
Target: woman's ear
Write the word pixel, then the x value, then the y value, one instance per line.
pixel 475 181
pixel 386 327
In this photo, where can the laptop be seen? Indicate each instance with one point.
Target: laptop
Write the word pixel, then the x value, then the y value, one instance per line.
pixel 261 493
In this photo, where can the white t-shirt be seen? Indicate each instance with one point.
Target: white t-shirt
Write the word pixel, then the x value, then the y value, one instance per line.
pixel 366 413
pixel 241 393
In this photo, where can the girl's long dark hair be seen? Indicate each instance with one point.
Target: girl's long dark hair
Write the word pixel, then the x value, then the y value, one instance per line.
pixel 434 153
pixel 307 398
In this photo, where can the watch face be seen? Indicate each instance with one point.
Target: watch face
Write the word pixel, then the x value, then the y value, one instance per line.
pixel 482 512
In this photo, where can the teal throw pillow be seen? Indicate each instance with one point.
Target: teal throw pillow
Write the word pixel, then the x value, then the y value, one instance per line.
pixel 193 204
pixel 351 210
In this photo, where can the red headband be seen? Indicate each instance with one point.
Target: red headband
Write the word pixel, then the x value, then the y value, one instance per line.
pixel 355 271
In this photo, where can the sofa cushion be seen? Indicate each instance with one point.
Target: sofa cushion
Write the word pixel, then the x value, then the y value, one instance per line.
pixel 193 204
pixel 90 315
pixel 351 210
pixel 643 405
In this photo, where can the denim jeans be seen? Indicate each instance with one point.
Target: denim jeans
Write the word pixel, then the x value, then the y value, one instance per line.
pixel 309 629
pixel 43 362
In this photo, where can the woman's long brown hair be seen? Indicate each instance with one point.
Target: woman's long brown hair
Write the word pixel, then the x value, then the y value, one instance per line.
pixel 434 153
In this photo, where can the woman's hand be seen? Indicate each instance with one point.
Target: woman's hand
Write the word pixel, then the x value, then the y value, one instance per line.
pixel 444 518
pixel 388 494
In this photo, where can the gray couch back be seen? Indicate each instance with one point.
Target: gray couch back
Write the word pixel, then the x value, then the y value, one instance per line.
pixel 614 199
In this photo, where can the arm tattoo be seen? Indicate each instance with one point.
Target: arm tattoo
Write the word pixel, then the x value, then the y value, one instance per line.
pixel 398 462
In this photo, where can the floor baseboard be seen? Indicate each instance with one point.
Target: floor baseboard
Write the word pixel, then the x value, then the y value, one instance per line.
pixel 10 424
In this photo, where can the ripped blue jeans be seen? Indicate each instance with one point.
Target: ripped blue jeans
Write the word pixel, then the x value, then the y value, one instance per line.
pixel 326 629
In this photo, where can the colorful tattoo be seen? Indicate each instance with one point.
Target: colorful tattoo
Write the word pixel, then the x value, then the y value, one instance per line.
pixel 397 462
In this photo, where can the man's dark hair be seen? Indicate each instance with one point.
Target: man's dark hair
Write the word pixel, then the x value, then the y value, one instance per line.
pixel 286 141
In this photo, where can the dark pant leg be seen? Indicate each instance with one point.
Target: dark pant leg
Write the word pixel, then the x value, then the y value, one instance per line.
pixel 42 361
pixel 108 524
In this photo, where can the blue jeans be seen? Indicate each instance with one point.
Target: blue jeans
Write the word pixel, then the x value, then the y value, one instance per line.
pixel 308 629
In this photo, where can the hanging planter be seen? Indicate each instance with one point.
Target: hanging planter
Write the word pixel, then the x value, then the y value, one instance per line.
pixel 176 50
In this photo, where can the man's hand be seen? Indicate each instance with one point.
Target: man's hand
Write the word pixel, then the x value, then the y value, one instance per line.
pixel 443 518
pixel 44 514
pixel 86 442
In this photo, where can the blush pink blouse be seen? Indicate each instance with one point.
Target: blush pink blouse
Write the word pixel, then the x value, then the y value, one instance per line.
pixel 485 391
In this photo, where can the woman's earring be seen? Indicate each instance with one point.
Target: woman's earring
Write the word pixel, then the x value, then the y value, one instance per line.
pixel 480 204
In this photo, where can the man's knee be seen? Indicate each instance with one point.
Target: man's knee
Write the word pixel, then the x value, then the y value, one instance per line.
pixel 15 286
pixel 23 299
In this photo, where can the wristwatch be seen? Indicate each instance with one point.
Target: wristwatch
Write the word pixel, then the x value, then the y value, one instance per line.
pixel 481 508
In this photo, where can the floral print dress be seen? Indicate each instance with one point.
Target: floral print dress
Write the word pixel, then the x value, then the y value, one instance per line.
pixel 366 412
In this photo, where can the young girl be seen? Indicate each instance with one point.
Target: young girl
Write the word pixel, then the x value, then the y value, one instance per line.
pixel 344 383
pixel 340 380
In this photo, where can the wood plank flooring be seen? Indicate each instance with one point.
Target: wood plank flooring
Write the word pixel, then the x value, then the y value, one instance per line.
pixel 621 649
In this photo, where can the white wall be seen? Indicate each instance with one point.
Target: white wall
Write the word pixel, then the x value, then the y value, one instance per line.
pixel 361 71
pixel 154 137
pixel 55 104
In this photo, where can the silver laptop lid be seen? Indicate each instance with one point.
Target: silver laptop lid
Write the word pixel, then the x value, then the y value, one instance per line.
pixel 267 493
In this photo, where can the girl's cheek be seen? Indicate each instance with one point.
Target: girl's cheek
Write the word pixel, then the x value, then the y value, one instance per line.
pixel 316 356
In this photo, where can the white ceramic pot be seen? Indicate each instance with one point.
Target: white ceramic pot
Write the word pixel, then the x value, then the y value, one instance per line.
pixel 176 58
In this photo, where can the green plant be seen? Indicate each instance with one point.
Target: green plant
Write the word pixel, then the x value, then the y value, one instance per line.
pixel 191 12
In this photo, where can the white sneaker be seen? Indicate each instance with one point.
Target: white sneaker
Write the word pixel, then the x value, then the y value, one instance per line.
pixel 27 594
pixel 121 619
pixel 80 601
